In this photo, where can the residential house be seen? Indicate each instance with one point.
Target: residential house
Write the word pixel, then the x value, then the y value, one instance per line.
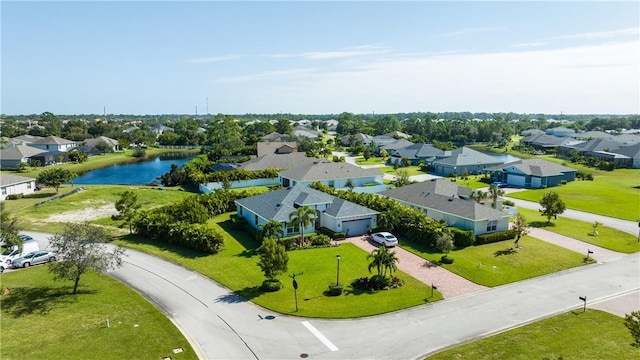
pixel 443 200
pixel 398 144
pixel 546 142
pixel 113 143
pixel 331 212
pixel 279 161
pixel 54 143
pixel 334 174
pixel 530 132
pixel 331 124
pixel 417 153
pixel 349 140
pixel 304 132
pixel 275 137
pixel 397 135
pixel 13 156
pixel 631 156
pixel 288 147
pixel 532 173
pixel 561 131
pixel 465 160
pixel 159 129
pixel 13 184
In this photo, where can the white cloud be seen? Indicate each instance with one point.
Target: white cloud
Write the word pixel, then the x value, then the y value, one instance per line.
pixel 598 34
pixel 344 53
pixel 587 79
pixel 530 44
pixel 213 59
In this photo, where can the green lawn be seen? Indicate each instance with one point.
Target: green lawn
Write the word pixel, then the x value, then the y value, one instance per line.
pixel 574 335
pixel 95 196
pixel 236 268
pixel 498 264
pixel 41 319
pixel 411 170
pixel 607 237
pixel 371 161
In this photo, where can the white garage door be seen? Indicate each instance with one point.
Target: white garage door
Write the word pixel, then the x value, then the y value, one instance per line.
pixel 536 182
pixel 516 180
pixel 355 227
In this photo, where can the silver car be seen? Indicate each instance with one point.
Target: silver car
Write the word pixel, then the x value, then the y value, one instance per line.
pixel 34 258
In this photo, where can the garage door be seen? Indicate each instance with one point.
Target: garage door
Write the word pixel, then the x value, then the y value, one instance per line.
pixel 516 180
pixel 355 227
pixel 536 182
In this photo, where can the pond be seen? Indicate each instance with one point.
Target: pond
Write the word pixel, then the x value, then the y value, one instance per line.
pixel 139 173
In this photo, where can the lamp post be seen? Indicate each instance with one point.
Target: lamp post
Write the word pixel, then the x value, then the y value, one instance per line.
pixel 338 272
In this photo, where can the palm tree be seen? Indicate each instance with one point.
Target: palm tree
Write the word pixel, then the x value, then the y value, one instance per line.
pixel 302 217
pixel 478 195
pixel 495 192
pixel 383 260
pixel 272 229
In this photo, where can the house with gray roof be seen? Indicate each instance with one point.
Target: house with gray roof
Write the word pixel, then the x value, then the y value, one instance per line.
pixel 546 142
pixel 561 131
pixel 631 156
pixel 417 153
pixel 331 212
pixel 276 137
pixel 443 200
pixel 13 184
pixel 304 132
pixel 12 157
pixel 332 174
pixel 93 142
pixel 279 161
pixel 277 147
pixel 465 160
pixel 532 173
pixel 54 143
pixel 398 144
pixel 350 139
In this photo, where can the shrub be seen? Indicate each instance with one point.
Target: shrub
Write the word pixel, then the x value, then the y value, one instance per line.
pixel 336 289
pixel 496 237
pixel 319 240
pixel 563 182
pixel 461 238
pixel 508 203
pixel 446 260
pixel 377 282
pixel 139 152
pixel 332 234
pixel 290 243
pixel 15 196
pixel 271 285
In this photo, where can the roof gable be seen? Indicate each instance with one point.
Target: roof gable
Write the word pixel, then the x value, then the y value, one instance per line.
pixel 328 171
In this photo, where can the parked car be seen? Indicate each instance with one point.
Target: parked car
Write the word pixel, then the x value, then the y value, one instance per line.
pixel 499 184
pixel 385 239
pixel 34 258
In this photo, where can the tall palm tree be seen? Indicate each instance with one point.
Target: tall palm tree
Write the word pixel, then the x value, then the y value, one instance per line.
pixel 478 195
pixel 302 217
pixel 383 260
pixel 495 192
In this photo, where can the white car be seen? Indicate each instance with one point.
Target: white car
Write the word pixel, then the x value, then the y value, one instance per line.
pixel 385 238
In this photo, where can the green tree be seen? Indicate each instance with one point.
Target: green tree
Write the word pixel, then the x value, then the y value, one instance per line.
pixel 302 217
pixel 495 192
pixel 552 205
pixel 271 229
pixel 402 178
pixel 384 154
pixel 478 195
pixel 632 322
pixel 127 207
pixel 273 258
pixel 383 261
pixel 78 156
pixel 81 247
pixel 104 147
pixel 55 177
pixel 52 124
pixel 444 242
pixel 520 225
pixel 595 227
pixel 283 126
pixel 349 184
pixel 9 228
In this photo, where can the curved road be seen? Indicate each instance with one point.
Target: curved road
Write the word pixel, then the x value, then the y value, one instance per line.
pixel 221 325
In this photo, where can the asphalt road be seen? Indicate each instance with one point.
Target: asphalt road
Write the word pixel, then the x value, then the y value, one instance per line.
pixel 221 325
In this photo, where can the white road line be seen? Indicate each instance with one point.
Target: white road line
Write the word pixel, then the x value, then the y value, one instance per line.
pixel 319 335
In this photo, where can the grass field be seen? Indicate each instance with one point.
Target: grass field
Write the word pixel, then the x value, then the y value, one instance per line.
pixel 607 237
pixel 236 267
pixel 371 161
pixel 498 263
pixel 574 335
pixel 41 319
pixel 411 170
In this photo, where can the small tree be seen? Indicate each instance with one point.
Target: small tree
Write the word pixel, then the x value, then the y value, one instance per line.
pixel 384 154
pixel 520 226
pixel 444 243
pixel 632 322
pixel 273 258
pixel 551 205
pixel 55 177
pixel 595 228
pixel 495 192
pixel 349 184
pixel 271 229
pixel 366 154
pixel 383 260
pixel 402 178
pixel 127 207
pixel 302 217
pixel 81 247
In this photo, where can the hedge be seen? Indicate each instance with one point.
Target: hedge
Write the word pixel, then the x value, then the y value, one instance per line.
pixel 461 238
pixel 496 237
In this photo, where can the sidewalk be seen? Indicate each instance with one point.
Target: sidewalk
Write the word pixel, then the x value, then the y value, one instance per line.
pixel 449 284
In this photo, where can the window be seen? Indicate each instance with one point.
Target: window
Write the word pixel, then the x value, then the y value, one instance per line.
pixel 28 185
pixel 492 225
pixel 292 229
pixel 256 219
pixel 4 191
pixel 240 210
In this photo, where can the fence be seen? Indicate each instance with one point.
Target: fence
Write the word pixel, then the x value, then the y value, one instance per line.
pixel 59 196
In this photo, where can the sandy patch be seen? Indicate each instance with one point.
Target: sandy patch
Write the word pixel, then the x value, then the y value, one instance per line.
pixel 90 211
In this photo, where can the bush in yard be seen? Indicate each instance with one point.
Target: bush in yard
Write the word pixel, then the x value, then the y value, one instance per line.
pixel 319 240
pixel 377 282
pixel 446 260
pixel 14 196
pixel 461 238
pixel 336 289
pixel 271 285
pixel 496 237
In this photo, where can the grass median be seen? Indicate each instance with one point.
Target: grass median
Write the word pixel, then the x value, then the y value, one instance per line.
pixel 42 319
pixel 499 263
pixel 574 335
pixel 608 238
pixel 236 268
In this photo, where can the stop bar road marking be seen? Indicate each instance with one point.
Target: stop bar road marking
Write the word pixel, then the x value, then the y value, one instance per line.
pixel 319 335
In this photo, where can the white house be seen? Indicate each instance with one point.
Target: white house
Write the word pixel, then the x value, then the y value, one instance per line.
pixel 13 184
pixel 54 143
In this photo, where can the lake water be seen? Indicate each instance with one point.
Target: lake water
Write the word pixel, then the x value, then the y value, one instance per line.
pixel 138 173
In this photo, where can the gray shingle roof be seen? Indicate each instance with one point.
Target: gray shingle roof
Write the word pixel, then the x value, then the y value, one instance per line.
pixel 420 151
pixel 53 140
pixel 8 179
pixel 341 208
pixel 279 161
pixel 19 152
pixel 632 151
pixel 465 156
pixel 444 196
pixel 328 171
pixel 536 167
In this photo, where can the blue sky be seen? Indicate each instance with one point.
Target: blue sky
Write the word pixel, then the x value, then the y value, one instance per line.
pixel 320 57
